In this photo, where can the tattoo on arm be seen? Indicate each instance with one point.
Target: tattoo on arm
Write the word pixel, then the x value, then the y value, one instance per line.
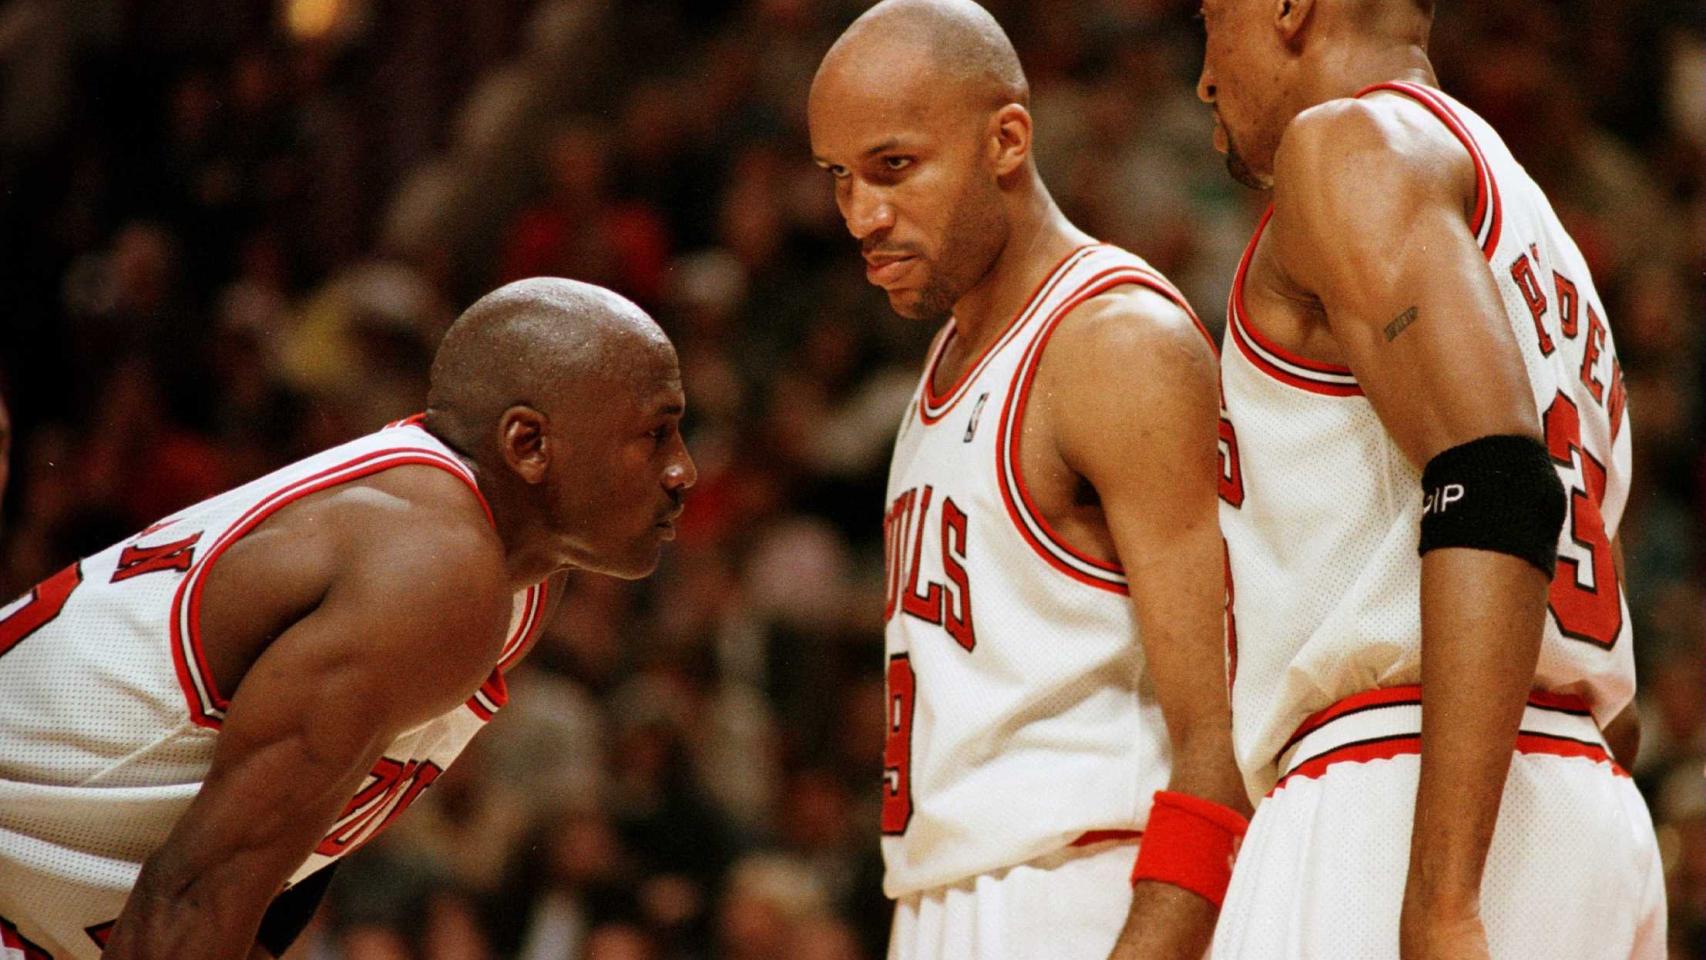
pixel 1399 323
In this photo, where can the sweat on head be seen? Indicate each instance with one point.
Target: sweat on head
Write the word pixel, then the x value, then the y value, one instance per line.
pixel 567 398
pixel 537 342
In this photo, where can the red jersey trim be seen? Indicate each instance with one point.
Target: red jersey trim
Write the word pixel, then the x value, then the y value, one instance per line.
pixel 532 618
pixel 206 704
pixel 1385 748
pixel 1033 527
pixel 492 696
pixel 1381 748
pixel 1271 358
pixel 1092 837
pixel 1356 703
pixel 933 407
pixel 16 944
pixel 1487 221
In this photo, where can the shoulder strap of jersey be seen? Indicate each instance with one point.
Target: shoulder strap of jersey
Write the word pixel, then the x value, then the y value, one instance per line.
pixel 1487 221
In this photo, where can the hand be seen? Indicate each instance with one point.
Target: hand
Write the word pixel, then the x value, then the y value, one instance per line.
pixel 1434 934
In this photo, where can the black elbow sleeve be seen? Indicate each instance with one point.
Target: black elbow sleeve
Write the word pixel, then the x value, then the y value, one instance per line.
pixel 1498 493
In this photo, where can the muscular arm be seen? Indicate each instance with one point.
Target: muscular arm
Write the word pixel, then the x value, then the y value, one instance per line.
pixel 410 622
pixel 1369 217
pixel 1134 404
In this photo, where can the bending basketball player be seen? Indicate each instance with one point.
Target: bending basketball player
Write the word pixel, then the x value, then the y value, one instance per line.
pixel 220 707
pixel 1434 450
pixel 1055 571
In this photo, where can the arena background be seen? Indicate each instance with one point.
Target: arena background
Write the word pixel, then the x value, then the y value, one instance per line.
pixel 233 231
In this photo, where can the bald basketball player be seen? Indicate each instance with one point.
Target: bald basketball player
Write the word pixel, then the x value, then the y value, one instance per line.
pixel 1055 587
pixel 197 723
pixel 1434 448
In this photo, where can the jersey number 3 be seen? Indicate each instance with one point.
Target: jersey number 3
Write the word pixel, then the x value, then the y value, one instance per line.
pixel 40 606
pixel 37 608
pixel 897 745
pixel 1584 597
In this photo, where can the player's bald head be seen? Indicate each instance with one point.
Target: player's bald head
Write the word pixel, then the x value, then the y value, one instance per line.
pixel 548 343
pixel 911 48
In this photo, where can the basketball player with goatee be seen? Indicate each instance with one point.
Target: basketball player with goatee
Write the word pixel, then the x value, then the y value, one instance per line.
pixel 1054 620
pixel 1432 651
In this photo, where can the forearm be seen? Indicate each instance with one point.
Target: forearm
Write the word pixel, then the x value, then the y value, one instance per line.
pixel 1203 766
pixel 185 914
pixel 1481 625
pixel 1623 736
pixel 1167 921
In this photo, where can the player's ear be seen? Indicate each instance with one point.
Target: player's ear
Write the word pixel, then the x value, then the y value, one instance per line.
pixel 522 442
pixel 1011 142
pixel 1290 16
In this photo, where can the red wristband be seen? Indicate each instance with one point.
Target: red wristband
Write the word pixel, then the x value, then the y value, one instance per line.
pixel 1189 842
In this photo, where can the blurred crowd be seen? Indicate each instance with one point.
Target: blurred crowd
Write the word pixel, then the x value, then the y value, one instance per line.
pixel 234 231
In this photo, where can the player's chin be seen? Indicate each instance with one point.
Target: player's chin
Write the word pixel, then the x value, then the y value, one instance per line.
pixel 1244 174
pixel 642 557
pixel 911 304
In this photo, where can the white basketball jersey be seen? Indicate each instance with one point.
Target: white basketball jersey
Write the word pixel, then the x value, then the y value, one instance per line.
pixel 108 714
pixel 1018 716
pixel 1321 510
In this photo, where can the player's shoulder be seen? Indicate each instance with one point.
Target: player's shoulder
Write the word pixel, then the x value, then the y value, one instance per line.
pixel 1353 144
pixel 414 522
pixel 1133 323
pixel 421 504
pixel 421 552
pixel 1130 351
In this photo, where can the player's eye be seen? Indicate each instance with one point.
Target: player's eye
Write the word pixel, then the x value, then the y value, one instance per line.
pixel 837 171
pixel 897 163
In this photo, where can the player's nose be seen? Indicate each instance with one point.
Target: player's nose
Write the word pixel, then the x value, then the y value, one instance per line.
pixel 682 473
pixel 867 212
pixel 1205 85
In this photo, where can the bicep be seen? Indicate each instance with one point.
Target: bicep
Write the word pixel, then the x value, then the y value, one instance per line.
pixel 1136 414
pixel 1408 296
pixel 1139 422
pixel 300 733
pixel 318 706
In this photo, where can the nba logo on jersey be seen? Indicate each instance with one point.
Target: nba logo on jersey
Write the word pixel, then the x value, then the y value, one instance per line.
pixel 987 615
pixel 976 414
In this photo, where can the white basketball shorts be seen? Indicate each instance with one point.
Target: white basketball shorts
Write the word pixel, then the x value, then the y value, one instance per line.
pixel 1573 872
pixel 1068 905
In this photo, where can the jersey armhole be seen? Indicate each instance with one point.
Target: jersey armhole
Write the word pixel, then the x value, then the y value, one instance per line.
pixel 206 703
pixel 1021 509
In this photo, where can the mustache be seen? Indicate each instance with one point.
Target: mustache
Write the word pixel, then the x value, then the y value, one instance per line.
pixel 869 248
pixel 677 504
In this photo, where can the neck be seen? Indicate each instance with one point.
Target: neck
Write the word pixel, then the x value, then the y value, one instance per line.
pixel 527 560
pixel 1041 238
pixel 1345 69
pixel 527 564
pixel 528 557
